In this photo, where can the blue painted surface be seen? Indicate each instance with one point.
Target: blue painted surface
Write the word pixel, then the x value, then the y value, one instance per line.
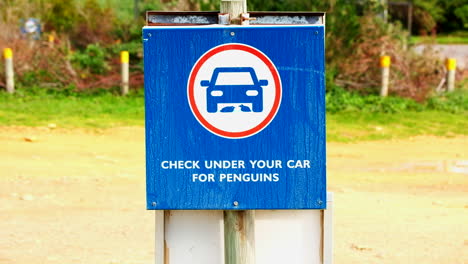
pixel 296 133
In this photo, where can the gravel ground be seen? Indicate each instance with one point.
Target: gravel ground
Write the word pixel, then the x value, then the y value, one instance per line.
pixel 74 196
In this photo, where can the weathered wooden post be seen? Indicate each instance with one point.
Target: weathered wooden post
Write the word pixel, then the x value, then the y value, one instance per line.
pixel 9 72
pixel 239 226
pixel 235 8
pixel 451 65
pixel 410 19
pixel 124 62
pixel 51 40
pixel 384 4
pixel 136 9
pixel 239 237
pixel 385 62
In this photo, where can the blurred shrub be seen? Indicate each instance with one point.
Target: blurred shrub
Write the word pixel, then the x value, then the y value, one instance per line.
pixel 127 30
pixel 58 15
pixel 411 75
pixel 455 102
pixel 36 64
pixel 341 100
pixel 135 50
pixel 92 59
pixel 94 24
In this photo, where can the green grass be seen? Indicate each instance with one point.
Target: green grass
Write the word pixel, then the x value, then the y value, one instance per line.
pixel 102 110
pixel 358 126
pixel 352 117
pixel 455 38
pixel 36 107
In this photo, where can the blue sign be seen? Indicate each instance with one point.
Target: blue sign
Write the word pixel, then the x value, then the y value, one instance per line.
pixel 32 28
pixel 235 117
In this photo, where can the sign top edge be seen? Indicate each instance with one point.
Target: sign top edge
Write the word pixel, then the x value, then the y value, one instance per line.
pixel 158 18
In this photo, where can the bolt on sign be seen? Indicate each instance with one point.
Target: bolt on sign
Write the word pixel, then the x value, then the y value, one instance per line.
pixel 235 116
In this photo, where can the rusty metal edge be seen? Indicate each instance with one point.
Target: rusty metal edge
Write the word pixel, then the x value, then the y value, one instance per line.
pixel 214 15
pixel 287 13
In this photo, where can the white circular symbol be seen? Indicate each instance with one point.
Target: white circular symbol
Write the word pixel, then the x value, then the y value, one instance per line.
pixel 234 90
pixel 30 26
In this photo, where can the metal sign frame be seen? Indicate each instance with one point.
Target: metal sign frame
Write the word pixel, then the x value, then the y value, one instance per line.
pixel 293 143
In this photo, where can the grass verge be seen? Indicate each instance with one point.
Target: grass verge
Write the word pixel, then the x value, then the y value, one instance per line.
pixel 101 110
pixel 358 126
pixel 456 38
pixel 356 123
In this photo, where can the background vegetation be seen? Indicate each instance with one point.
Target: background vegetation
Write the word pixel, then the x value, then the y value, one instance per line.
pixel 67 81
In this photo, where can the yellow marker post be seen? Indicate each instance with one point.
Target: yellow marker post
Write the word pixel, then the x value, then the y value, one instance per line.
pixel 51 40
pixel 124 57
pixel 7 53
pixel 124 62
pixel 451 65
pixel 385 62
pixel 9 72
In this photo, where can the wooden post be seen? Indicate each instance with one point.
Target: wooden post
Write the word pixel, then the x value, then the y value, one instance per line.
pixel 239 237
pixel 234 8
pixel 51 40
pixel 239 228
pixel 136 9
pixel 451 65
pixel 410 24
pixel 410 18
pixel 124 60
pixel 385 62
pixel 9 72
pixel 384 4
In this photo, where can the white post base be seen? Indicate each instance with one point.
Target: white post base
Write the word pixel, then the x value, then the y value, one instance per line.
pixel 281 236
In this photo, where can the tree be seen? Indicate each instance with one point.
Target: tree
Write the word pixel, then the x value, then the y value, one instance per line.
pixel 440 15
pixel 462 14
pixel 455 15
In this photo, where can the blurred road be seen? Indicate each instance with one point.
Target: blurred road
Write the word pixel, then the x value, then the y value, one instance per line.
pixel 459 52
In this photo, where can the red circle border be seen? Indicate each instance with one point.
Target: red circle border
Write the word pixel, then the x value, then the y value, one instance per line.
pixel 276 78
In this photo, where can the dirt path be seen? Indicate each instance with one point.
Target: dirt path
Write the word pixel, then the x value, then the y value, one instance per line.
pixel 79 197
